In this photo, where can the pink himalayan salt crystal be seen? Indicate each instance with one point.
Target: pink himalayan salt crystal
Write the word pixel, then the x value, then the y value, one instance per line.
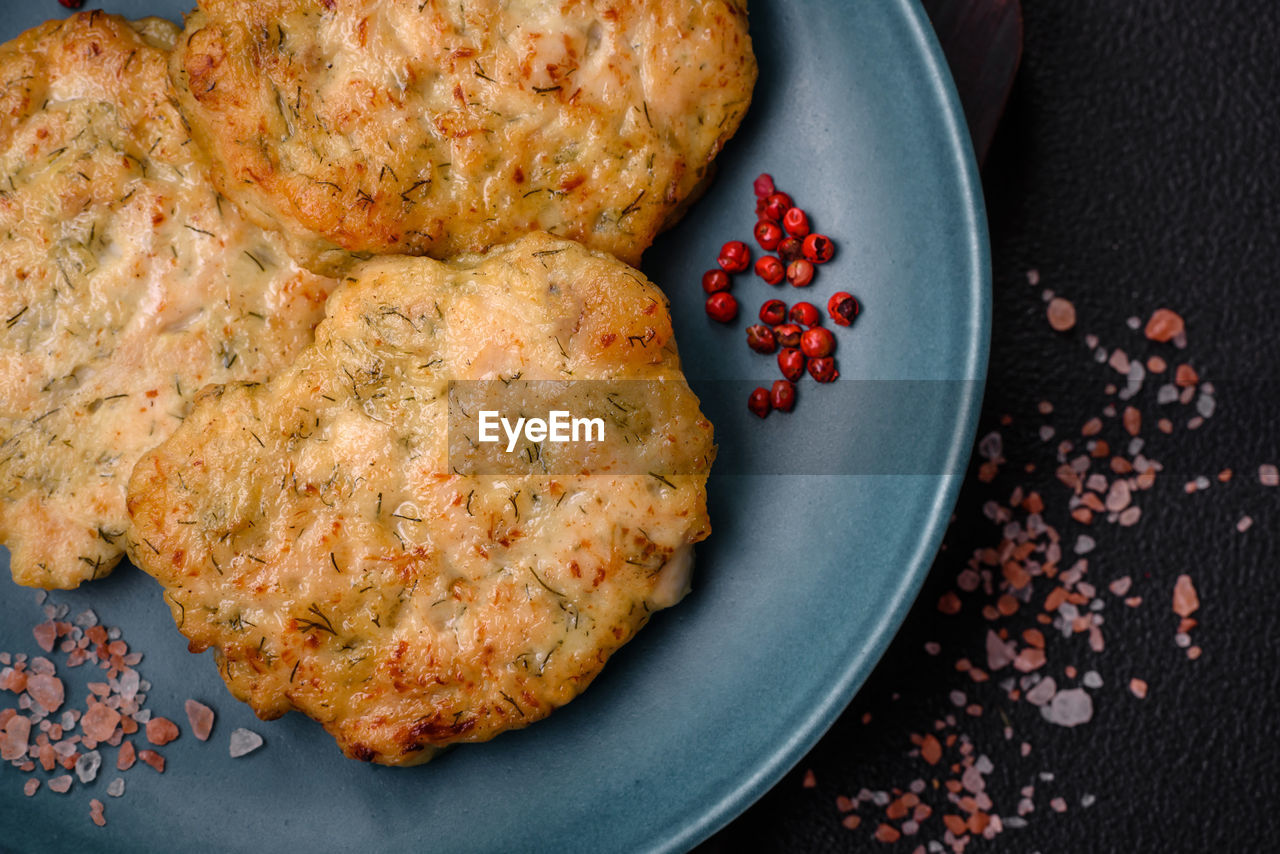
pixel 1138 687
pixel 29 788
pixel 61 785
pixel 46 634
pixel 46 690
pixel 1042 692
pixel 1029 659
pixel 1069 708
pixel 13 679
pixel 1118 496
pixel 127 756
pixel 13 738
pixel 100 722
pixel 96 813
pixel 155 760
pixel 1000 653
pixel 1269 475
pixel 1185 599
pixel 1164 325
pixel 1130 516
pixel 200 717
pixel 161 731
pixel 48 759
pixel 243 742
pixel 1062 314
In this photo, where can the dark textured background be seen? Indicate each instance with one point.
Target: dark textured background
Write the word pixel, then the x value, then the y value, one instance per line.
pixel 1136 167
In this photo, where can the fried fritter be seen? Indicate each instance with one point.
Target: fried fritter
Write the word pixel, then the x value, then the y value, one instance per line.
pixel 437 128
pixel 126 283
pixel 315 532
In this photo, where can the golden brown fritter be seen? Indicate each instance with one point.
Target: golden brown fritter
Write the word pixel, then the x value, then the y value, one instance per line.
pixel 436 128
pixel 126 283
pixel 313 530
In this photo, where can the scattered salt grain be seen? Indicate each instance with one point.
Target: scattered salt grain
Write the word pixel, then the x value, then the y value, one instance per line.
pixel 152 758
pixel 1069 708
pixel 1092 679
pixel 244 741
pixel 1268 475
pixel 201 717
pixel 1130 516
pixel 1138 687
pixel 116 787
pixel 60 784
pixel 1165 325
pixel 100 721
pixel 1042 693
pixel 1245 523
pixel 1062 314
pixel 126 757
pixel 1185 599
pixel 87 765
pixel 29 787
pixel 161 731
pixel 96 813
pixel 13 738
pixel 129 684
pixel 46 634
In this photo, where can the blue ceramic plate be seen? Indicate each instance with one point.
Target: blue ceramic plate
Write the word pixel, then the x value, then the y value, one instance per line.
pixel 825 520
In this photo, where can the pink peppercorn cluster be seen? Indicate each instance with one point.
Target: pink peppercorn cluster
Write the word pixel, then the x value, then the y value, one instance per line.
pixel 795 334
pixel 781 228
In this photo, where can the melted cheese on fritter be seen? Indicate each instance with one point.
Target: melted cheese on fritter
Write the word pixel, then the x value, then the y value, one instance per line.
pixel 312 531
pixel 126 283
pixel 435 128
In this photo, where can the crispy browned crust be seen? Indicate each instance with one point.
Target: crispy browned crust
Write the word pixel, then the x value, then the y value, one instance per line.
pixel 312 531
pixel 126 283
pixel 436 128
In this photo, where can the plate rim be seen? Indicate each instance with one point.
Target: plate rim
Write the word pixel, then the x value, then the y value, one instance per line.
pixel 806 733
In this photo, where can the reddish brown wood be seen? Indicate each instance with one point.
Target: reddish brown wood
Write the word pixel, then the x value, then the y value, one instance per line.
pixel 982 40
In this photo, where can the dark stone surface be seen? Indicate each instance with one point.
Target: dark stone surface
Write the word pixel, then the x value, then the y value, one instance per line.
pixel 1136 167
